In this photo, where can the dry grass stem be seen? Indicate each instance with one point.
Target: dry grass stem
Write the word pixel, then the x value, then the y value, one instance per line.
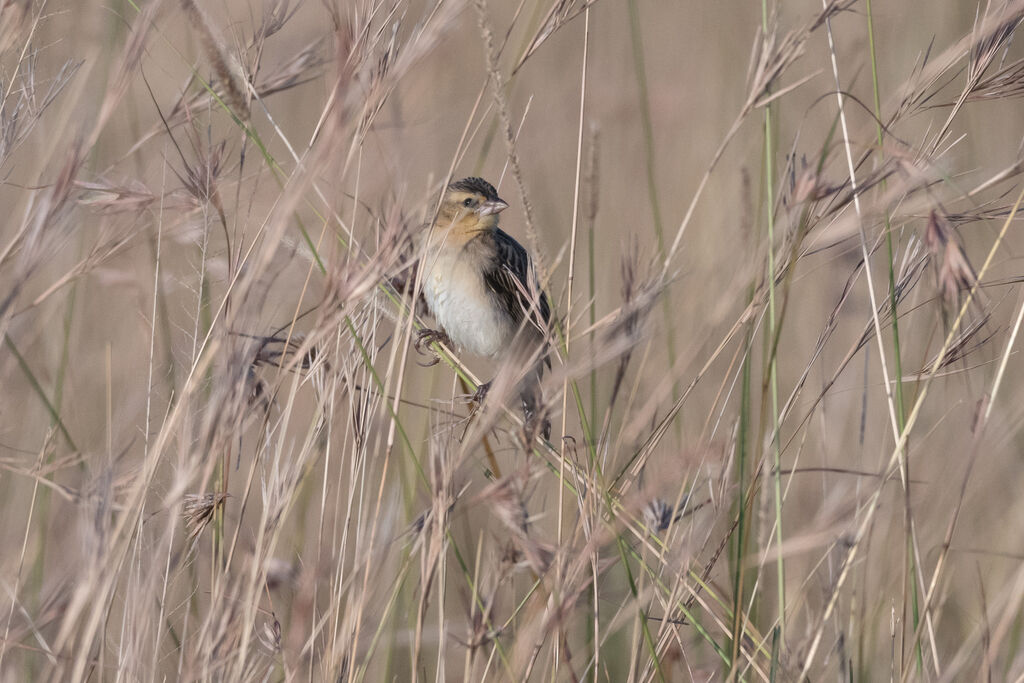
pixel 222 457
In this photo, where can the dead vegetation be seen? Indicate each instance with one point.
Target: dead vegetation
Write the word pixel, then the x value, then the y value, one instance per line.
pixel 786 438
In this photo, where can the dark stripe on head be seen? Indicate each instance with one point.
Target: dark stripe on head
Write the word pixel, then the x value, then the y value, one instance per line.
pixel 475 185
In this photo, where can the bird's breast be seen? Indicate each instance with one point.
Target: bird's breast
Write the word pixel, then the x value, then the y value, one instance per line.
pixel 463 305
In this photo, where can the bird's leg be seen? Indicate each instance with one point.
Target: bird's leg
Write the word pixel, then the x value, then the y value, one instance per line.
pixel 271 349
pixel 534 423
pixel 534 419
pixel 424 338
pixel 481 392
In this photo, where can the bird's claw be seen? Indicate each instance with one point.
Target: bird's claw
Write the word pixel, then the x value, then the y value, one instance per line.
pixel 272 348
pixel 534 424
pixel 481 392
pixel 424 338
pixel 535 418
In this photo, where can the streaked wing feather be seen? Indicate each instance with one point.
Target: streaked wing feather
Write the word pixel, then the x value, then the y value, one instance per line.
pixel 510 281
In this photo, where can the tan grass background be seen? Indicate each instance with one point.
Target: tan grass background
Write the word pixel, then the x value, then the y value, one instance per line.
pixel 123 401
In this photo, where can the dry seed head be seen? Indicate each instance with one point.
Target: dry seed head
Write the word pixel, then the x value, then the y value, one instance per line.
pixel 198 510
pixel 936 233
pixel 954 272
pixel 201 179
pixel 480 631
pixel 808 187
pixel 507 498
pixel 270 635
pixel 276 14
pixel 301 68
pixel 962 345
pixel 774 55
pixel 108 197
pixel 230 77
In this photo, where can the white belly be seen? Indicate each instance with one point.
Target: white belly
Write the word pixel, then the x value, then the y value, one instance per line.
pixel 461 303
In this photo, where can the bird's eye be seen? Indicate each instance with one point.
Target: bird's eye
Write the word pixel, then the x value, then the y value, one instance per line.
pixel 468 202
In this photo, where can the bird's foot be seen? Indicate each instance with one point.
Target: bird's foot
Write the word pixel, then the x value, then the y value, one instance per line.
pixel 481 392
pixel 424 338
pixel 272 348
pixel 535 422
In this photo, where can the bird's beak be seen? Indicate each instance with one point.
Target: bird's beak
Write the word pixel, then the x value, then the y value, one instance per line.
pixel 492 206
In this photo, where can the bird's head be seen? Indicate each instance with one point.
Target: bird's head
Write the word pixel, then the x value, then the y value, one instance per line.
pixel 469 206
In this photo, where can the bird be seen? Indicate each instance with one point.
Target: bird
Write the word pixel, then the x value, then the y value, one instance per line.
pixel 480 286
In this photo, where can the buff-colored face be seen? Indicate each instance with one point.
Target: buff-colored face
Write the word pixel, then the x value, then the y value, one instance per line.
pixel 465 212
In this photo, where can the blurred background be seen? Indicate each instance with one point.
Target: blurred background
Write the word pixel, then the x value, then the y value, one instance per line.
pixel 184 497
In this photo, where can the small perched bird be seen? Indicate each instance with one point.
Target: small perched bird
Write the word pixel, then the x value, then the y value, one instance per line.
pixel 480 286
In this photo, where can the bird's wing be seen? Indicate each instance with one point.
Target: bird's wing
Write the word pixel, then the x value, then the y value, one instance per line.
pixel 512 280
